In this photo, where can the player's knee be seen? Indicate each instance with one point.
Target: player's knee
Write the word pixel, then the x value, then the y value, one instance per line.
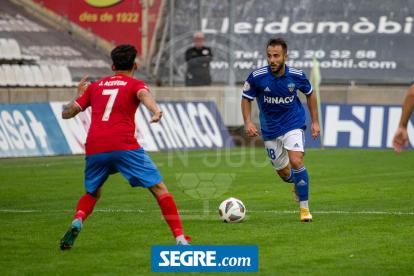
pixel 284 174
pixel 296 163
pixel 96 194
pixel 158 189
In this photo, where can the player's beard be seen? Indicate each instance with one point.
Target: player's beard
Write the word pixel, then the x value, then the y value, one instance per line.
pixel 278 68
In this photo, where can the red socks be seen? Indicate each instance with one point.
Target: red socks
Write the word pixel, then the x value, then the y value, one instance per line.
pixel 85 206
pixel 166 202
pixel 170 213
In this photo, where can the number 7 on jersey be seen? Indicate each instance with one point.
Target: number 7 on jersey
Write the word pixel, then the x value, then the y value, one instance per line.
pixel 110 104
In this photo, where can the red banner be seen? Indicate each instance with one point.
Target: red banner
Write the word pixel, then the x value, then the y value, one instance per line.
pixel 153 10
pixel 114 20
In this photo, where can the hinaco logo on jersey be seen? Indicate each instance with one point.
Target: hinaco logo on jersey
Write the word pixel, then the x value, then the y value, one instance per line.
pixel 103 3
pixel 291 87
pixel 278 100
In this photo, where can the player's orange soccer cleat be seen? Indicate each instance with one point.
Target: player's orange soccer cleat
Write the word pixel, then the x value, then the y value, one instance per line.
pixel 305 216
pixel 295 194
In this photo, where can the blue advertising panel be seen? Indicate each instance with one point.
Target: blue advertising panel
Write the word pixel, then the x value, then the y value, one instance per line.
pixel 36 129
pixel 189 125
pixel 30 129
pixel 358 126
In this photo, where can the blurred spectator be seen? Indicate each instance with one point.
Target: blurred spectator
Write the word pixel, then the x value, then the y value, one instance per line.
pixel 198 63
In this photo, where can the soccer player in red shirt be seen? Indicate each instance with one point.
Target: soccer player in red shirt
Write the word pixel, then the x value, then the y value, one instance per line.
pixel 111 146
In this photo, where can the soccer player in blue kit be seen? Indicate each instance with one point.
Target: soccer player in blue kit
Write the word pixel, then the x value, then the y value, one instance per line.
pixel 282 118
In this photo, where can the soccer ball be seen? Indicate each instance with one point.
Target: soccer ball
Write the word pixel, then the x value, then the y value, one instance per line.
pixel 232 210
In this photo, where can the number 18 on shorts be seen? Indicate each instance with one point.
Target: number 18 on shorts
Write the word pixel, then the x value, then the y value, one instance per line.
pixel 277 149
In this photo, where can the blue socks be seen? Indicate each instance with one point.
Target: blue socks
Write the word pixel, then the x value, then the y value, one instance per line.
pixel 290 178
pixel 301 179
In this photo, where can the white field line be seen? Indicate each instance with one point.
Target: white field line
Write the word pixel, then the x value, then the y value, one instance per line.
pixel 222 152
pixel 358 176
pixel 41 164
pixel 176 155
pixel 209 211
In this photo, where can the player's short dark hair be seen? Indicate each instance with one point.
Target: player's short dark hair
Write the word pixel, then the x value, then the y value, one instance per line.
pixel 277 41
pixel 123 57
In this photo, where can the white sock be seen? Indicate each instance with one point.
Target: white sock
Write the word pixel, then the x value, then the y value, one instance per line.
pixel 80 220
pixel 181 240
pixel 304 204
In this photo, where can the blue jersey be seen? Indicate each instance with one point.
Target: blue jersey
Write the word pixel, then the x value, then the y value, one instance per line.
pixel 280 108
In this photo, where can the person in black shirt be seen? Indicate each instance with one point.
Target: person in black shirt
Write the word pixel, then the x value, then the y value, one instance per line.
pixel 198 63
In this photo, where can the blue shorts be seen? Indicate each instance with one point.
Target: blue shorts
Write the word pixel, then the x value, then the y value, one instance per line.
pixel 135 165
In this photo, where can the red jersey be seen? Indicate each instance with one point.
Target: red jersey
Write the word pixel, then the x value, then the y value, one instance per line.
pixel 114 101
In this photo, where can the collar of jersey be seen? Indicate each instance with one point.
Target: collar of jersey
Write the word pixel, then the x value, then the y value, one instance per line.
pixel 273 77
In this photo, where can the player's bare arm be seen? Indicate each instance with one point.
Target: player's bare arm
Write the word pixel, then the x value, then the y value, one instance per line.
pixel 251 130
pixel 148 101
pixel 401 136
pixel 313 109
pixel 72 108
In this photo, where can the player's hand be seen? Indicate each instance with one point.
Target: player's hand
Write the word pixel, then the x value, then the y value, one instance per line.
pixel 83 85
pixel 157 116
pixel 400 139
pixel 251 130
pixel 315 130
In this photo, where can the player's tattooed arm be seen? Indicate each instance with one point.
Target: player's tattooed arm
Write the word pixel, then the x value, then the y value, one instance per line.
pixel 71 110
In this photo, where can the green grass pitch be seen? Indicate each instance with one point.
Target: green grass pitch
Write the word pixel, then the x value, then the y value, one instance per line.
pixel 361 202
